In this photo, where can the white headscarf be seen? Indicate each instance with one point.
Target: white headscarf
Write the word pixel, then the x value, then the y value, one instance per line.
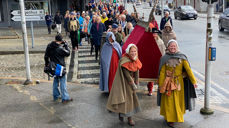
pixel 128 49
pixel 172 40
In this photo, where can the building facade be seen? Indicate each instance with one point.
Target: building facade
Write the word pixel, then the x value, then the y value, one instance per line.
pixel 50 6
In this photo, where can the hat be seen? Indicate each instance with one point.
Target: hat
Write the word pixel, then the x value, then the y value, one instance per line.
pixel 114 25
pixel 59 37
pixel 155 30
pixel 78 13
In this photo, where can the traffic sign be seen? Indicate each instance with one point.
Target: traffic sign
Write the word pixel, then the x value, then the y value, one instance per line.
pixel 28 18
pixel 28 12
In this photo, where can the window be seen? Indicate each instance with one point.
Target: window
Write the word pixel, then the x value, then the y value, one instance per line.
pixel 37 5
pixel 1 11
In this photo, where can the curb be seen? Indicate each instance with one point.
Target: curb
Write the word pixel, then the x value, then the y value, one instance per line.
pixel 19 52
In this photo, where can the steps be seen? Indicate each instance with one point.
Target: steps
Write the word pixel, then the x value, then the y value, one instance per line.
pixel 88 67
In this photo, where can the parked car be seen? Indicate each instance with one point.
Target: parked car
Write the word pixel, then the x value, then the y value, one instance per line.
pixel 185 12
pixel 224 20
pixel 138 3
pixel 158 9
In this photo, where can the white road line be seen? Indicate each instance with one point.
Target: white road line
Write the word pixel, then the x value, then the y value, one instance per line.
pixel 212 82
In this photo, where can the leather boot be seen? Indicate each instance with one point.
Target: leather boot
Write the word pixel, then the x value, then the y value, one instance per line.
pixel 130 121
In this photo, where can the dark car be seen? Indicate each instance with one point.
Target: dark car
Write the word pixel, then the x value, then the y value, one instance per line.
pixel 158 9
pixel 224 20
pixel 185 12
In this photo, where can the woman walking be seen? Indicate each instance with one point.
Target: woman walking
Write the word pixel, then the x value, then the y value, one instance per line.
pixel 174 99
pixel 123 98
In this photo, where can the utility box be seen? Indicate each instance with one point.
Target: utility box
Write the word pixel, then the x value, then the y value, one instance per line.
pixel 212 54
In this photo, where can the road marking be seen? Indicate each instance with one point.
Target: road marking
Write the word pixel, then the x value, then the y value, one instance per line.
pixel 212 82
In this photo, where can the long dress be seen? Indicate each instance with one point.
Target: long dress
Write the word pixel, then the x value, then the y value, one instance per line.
pixel 113 67
pixel 123 99
pixel 173 106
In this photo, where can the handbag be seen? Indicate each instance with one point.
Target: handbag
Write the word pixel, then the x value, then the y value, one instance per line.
pixel 54 69
pixel 53 26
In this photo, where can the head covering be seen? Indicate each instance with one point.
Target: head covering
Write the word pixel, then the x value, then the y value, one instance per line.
pixel 72 13
pixel 129 46
pixel 110 34
pixel 172 40
pixel 78 13
pixel 114 25
pixel 59 37
pixel 168 24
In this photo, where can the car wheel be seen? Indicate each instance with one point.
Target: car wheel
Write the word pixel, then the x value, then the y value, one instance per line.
pixel 220 26
pixel 195 18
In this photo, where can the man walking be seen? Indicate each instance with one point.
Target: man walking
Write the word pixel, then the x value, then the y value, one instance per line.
pixel 165 19
pixel 48 20
pixel 55 53
pixel 57 21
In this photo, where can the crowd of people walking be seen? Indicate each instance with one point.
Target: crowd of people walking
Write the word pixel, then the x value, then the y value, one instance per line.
pixel 119 72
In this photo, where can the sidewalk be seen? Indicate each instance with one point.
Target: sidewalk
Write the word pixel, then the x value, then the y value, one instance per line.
pixel 32 107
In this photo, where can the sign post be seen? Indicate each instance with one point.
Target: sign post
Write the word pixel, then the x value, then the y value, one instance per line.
pixel 209 57
pixel 25 43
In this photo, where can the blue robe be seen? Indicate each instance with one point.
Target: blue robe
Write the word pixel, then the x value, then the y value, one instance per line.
pixel 106 54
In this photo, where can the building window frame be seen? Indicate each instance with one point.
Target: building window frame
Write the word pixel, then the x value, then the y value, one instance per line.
pixel 1 12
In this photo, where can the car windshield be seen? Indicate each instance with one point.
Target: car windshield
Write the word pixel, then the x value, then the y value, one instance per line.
pixel 187 8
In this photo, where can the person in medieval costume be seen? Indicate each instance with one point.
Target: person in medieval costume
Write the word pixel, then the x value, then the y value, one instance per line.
pixel 175 95
pixel 110 55
pixel 162 48
pixel 123 98
pixel 168 33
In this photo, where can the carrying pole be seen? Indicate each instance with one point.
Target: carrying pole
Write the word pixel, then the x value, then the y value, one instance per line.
pixel 25 42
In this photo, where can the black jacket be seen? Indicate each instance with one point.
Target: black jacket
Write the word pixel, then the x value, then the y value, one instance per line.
pixel 164 21
pixel 58 19
pixel 56 53
pixel 107 23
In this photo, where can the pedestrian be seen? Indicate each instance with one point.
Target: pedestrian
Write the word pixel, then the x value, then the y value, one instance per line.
pixel 153 24
pixel 108 22
pixel 118 36
pixel 168 33
pixel 110 54
pixel 123 98
pixel 165 19
pixel 120 30
pixel 173 100
pixel 55 53
pixel 81 20
pixel 48 20
pixel 85 27
pixel 73 27
pixel 93 20
pixel 97 30
pixel 57 20
pixel 66 20
pixel 129 28
pixel 162 48
pixel 104 17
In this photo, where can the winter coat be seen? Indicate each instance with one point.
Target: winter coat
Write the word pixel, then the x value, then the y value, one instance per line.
pixel 164 21
pixel 56 53
pixel 48 20
pixel 58 19
pixel 97 34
